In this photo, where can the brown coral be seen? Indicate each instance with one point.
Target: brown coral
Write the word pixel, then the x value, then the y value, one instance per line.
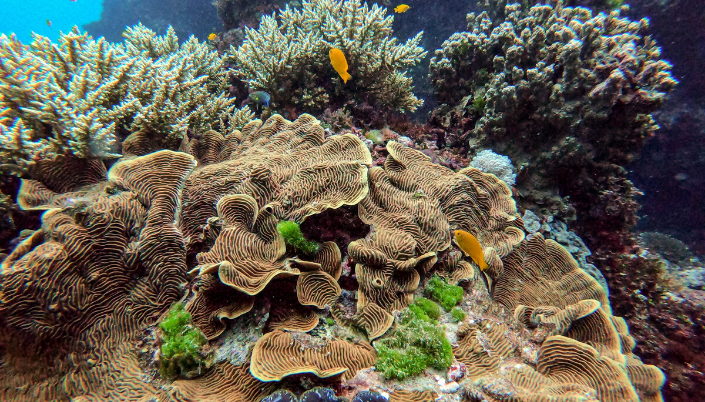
pixel 288 165
pixel 78 300
pixel 482 348
pixel 413 204
pixel 223 383
pixel 279 354
pixel 542 273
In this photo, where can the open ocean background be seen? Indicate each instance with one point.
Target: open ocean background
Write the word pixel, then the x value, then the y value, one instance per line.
pixel 26 16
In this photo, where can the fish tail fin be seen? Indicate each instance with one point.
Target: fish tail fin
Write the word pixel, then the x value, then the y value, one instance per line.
pixel 483 265
pixel 346 77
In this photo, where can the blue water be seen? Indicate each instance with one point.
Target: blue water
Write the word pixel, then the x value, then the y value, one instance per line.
pixel 25 16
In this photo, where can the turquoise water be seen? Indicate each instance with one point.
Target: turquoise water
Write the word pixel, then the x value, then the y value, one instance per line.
pixel 26 16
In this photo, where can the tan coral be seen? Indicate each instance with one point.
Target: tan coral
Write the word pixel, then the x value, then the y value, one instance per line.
pixel 288 165
pixel 317 288
pixel 223 383
pixel 569 361
pixel 373 319
pixel 413 205
pixel 542 273
pixel 247 253
pixel 482 347
pixel 214 302
pixel 413 396
pixel 279 354
pixel 101 276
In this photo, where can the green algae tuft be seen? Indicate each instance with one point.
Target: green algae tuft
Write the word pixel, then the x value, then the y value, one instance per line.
pixel 413 345
pixel 291 232
pixel 181 351
pixel 447 295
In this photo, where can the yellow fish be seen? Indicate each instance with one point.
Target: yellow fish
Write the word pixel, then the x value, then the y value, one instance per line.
pixel 212 36
pixel 401 8
pixel 469 244
pixel 337 59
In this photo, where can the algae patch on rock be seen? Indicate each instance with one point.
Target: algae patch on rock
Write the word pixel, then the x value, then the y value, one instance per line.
pixel 413 345
pixel 181 352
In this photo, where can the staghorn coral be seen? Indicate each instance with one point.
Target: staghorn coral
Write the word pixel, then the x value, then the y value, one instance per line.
pixel 568 95
pixel 287 56
pixel 80 95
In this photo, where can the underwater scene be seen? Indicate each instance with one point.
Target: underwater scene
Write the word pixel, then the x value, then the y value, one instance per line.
pixel 352 201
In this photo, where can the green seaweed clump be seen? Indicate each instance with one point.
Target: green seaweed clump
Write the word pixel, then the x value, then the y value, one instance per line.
pixel 181 351
pixel 426 310
pixel 479 104
pixel 375 136
pixel 413 345
pixel 458 314
pixel 614 4
pixel 447 295
pixel 293 237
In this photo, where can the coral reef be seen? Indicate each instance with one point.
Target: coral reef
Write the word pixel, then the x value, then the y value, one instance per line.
pixel 83 294
pixel 79 95
pixel 287 56
pixel 567 94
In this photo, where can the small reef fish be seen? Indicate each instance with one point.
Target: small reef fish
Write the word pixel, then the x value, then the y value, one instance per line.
pixel 260 98
pixel 212 36
pixel 337 59
pixel 49 23
pixel 401 8
pixel 469 244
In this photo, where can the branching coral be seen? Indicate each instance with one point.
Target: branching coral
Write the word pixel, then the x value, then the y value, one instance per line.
pixel 79 95
pixel 568 97
pixel 288 57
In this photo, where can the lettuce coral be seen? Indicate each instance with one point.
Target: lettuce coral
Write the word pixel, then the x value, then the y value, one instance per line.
pixel 76 96
pixel 288 56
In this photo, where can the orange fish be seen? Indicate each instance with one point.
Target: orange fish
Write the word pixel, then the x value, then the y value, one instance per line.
pixel 401 8
pixel 337 59
pixel 212 36
pixel 470 246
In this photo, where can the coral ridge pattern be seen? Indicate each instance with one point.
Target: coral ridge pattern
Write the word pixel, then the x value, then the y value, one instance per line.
pixel 97 277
